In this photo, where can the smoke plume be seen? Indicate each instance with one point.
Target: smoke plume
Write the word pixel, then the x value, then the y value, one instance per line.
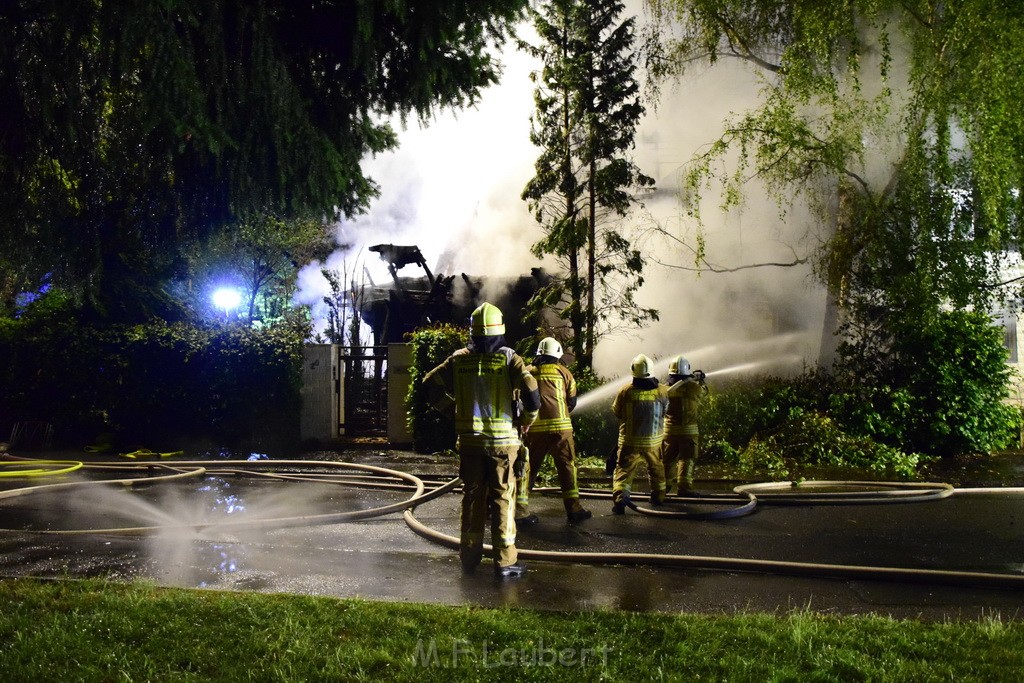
pixel 453 189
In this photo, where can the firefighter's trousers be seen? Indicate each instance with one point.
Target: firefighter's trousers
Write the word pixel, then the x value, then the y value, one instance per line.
pixel 488 487
pixel 680 456
pixel 627 465
pixel 562 447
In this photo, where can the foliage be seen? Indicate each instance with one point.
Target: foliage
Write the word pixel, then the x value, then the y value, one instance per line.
pixel 778 427
pixel 837 91
pixel 897 122
pixel 587 109
pixel 95 631
pixel 937 387
pixel 261 254
pixel 131 128
pixel 431 431
pixel 155 385
pixel 595 429
pixel 808 439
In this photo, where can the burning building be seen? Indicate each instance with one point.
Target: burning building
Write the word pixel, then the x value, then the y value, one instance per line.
pixel 393 310
pixel 360 390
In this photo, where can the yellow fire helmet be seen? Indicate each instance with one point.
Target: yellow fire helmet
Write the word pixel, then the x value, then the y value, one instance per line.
pixel 642 366
pixel 486 321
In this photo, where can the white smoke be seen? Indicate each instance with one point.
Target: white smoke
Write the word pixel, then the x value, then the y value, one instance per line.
pixel 453 189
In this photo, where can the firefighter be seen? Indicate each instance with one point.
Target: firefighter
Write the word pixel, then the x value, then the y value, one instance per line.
pixel 682 439
pixel 552 433
pixel 480 380
pixel 640 407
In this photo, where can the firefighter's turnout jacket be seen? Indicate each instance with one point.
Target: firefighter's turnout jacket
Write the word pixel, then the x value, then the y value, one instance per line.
pixel 481 385
pixel 682 437
pixel 640 407
pixel 552 433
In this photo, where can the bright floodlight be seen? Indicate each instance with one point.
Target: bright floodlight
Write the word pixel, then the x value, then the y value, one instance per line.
pixel 227 298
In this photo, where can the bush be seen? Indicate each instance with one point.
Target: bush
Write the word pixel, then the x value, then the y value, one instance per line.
pixel 154 385
pixel 777 427
pixel 734 413
pixel 939 389
pixel 813 439
pixel 432 431
pixel 595 429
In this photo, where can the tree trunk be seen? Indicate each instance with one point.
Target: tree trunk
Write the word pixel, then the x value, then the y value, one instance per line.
pixel 836 289
pixel 576 318
pixel 588 353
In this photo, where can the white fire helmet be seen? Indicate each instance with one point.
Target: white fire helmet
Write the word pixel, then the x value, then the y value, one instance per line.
pixel 679 366
pixel 549 346
pixel 642 366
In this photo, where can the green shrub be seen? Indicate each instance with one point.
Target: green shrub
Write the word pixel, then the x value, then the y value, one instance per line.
pixel 595 429
pixel 777 427
pixel 154 385
pixel 939 387
pixel 735 412
pixel 432 431
pixel 815 440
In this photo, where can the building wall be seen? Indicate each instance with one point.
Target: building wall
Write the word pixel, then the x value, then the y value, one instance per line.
pixel 1011 327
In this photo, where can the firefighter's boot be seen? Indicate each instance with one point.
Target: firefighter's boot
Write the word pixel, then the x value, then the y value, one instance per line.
pixel 574 511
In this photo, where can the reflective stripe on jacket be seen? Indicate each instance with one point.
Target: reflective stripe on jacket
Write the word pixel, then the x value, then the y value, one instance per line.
pixel 480 385
pixel 483 396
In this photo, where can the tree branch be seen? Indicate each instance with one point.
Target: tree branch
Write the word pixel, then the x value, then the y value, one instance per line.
pixel 734 38
pixel 718 269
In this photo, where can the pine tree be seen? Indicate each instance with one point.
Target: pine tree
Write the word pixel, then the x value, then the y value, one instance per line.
pixel 587 109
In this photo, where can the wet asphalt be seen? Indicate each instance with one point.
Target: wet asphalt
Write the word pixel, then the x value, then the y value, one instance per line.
pixel 382 559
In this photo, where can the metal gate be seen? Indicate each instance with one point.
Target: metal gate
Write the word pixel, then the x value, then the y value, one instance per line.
pixel 364 390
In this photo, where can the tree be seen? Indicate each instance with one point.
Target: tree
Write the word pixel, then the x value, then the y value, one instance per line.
pixel 587 108
pixel 345 302
pixel 130 128
pixel 897 121
pixel 263 253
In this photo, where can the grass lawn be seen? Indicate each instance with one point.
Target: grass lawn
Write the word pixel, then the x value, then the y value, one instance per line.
pixel 100 631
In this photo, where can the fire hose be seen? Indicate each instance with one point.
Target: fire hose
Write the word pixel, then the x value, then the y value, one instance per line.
pixel 377 477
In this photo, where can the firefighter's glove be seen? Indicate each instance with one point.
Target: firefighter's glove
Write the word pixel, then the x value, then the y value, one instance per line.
pixel 609 464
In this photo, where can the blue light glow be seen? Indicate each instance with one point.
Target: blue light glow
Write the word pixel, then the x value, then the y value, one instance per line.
pixel 226 299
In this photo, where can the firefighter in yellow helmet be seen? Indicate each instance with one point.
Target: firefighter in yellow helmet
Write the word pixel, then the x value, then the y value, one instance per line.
pixel 480 380
pixel 682 438
pixel 640 407
pixel 552 433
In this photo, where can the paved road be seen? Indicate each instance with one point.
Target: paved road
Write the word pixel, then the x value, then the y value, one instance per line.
pixel 382 559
